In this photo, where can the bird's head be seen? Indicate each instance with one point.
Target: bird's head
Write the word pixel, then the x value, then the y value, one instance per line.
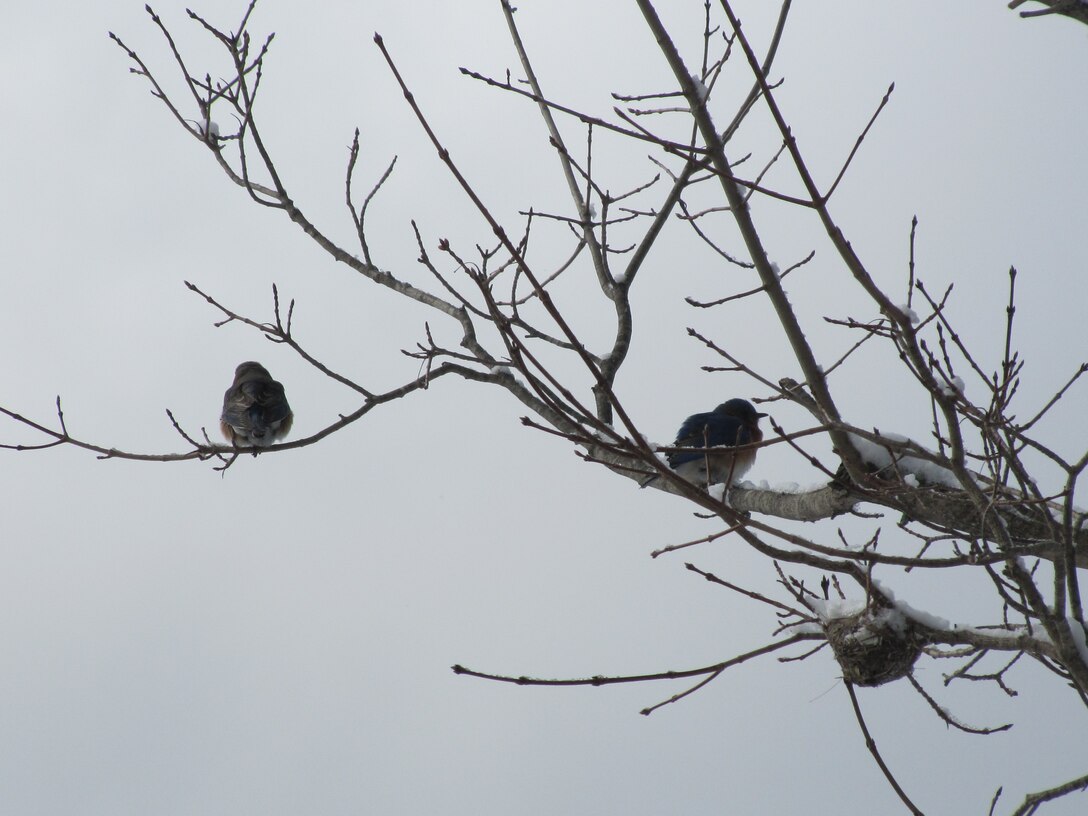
pixel 250 371
pixel 741 409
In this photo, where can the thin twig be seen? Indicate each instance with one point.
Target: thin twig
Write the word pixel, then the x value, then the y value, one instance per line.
pixel 870 743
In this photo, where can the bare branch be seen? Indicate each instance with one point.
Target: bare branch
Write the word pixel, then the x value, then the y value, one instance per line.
pixel 870 743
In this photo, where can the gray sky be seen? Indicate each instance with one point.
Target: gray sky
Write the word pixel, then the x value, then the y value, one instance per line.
pixel 278 641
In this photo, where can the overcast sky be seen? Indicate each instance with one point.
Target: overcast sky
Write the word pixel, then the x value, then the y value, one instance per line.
pixel 277 641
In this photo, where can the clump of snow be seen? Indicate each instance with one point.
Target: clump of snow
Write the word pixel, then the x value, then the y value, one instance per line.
pixel 836 608
pixel 506 371
pixel 893 619
pixel 952 387
pixel 911 315
pixel 897 618
pixel 872 453
pixel 910 479
pixel 700 88
pixel 793 488
pixel 806 628
pixel 204 126
pixel 776 270
pixel 879 456
pixel 918 615
pixel 1080 637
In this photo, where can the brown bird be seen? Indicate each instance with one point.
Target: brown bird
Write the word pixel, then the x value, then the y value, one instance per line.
pixel 255 409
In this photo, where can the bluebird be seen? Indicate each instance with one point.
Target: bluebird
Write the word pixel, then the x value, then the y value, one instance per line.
pixel 255 409
pixel 731 424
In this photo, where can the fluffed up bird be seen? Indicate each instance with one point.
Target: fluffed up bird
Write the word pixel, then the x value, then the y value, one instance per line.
pixel 255 409
pixel 731 424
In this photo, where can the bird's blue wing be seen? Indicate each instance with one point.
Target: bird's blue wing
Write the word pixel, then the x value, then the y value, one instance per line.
pixel 272 400
pixel 707 430
pixel 236 409
pixel 255 404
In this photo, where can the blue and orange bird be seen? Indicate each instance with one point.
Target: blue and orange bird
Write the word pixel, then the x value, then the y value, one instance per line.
pixel 255 409
pixel 730 425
